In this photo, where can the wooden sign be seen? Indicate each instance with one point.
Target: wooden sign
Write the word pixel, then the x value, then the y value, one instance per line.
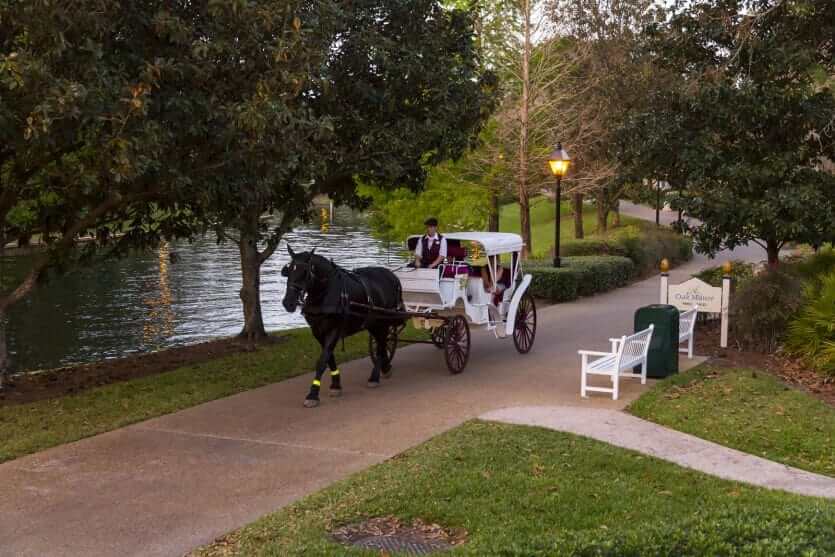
pixel 695 292
pixel 698 293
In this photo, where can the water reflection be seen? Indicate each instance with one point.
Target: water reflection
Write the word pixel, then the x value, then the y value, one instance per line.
pixel 182 293
pixel 159 323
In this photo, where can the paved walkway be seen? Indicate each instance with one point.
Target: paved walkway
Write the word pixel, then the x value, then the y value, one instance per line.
pixel 169 484
pixel 629 432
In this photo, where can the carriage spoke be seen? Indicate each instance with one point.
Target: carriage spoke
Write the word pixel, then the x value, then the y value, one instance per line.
pixel 457 343
pixel 524 330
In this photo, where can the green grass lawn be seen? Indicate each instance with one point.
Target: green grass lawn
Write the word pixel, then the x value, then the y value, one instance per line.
pixel 542 222
pixel 28 428
pixel 748 410
pixel 529 491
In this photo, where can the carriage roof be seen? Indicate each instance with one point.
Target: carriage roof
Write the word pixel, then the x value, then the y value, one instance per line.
pixel 494 243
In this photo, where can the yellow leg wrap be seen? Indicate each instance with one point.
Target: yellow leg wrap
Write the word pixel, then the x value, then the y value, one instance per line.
pixel 334 373
pixel 316 382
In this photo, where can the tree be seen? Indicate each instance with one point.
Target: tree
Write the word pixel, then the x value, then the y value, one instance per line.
pixel 760 110
pixel 618 75
pixel 82 151
pixel 398 89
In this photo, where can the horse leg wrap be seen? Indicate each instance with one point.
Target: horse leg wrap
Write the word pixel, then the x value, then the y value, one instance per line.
pixel 336 383
pixel 314 390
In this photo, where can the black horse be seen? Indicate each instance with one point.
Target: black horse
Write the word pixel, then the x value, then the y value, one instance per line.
pixel 334 302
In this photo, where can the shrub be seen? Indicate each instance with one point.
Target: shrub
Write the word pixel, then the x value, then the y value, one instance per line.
pixel 741 272
pixel 554 284
pixel 601 273
pixel 817 266
pixel 811 335
pixel 579 276
pixel 646 247
pixel 591 246
pixel 763 307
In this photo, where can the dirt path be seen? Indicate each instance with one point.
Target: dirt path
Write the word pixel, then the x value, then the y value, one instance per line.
pixel 164 486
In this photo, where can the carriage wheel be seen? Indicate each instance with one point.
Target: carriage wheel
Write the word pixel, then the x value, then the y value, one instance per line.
pixel 391 347
pixel 439 336
pixel 524 329
pixel 457 344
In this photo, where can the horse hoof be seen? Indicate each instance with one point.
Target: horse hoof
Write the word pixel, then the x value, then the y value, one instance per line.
pixel 311 403
pixel 334 393
pixel 373 384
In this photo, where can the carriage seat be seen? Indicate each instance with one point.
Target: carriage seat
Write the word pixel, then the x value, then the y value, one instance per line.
pixel 455 261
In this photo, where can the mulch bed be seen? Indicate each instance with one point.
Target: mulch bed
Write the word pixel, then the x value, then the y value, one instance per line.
pixel 30 387
pixel 789 369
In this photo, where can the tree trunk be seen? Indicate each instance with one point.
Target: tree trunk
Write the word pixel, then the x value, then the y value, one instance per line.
pixel 524 205
pixel 773 251
pixel 616 211
pixel 4 355
pixel 493 219
pixel 658 206
pixel 251 281
pixel 577 202
pixel 602 212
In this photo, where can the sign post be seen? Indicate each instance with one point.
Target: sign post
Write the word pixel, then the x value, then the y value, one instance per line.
pixel 726 302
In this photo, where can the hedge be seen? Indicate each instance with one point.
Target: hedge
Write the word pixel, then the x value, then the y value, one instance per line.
pixel 646 246
pixel 578 276
pixel 597 265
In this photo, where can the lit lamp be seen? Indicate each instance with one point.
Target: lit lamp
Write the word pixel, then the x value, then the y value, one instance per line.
pixel 559 161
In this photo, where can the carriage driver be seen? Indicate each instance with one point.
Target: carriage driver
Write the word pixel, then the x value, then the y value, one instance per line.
pixel 430 250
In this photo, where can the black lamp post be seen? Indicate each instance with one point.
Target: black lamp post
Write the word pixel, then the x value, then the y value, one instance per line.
pixel 559 161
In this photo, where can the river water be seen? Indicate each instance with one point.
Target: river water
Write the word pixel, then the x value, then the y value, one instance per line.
pixel 151 300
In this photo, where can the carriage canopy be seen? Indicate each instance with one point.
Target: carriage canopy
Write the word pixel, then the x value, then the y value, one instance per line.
pixel 493 243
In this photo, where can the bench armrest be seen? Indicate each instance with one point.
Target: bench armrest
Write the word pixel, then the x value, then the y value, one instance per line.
pixel 593 353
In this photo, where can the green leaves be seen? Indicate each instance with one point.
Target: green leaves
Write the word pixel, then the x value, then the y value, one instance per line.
pixel 743 136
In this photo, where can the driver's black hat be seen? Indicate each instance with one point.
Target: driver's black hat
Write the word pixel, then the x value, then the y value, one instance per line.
pixel 431 221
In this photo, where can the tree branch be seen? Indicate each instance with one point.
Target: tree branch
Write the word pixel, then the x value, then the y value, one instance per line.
pixel 67 240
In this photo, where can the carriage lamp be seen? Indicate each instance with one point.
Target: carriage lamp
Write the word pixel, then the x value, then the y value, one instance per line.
pixel 559 162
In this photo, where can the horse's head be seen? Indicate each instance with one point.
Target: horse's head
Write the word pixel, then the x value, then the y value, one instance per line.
pixel 302 272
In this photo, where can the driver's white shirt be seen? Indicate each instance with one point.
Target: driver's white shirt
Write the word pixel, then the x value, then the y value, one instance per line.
pixel 432 239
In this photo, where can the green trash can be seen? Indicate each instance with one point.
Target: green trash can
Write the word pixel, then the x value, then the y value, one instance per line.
pixel 662 359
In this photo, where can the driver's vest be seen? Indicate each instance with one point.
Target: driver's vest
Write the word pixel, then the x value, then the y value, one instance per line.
pixel 429 253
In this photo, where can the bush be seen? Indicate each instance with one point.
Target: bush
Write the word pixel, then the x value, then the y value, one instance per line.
pixel 591 246
pixel 554 284
pixel 817 266
pixel 763 307
pixel 579 276
pixel 741 272
pixel 811 335
pixel 646 247
pixel 601 273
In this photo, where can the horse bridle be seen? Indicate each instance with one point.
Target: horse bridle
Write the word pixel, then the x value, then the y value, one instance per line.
pixel 310 275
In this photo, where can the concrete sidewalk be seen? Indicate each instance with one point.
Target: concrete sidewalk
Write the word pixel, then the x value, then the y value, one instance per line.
pixel 630 432
pixel 164 486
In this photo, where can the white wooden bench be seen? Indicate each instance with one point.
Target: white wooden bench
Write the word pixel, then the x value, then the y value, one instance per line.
pixel 686 326
pixel 627 352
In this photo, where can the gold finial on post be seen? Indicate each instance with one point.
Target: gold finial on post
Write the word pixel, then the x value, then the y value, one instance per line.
pixel 665 265
pixel 727 266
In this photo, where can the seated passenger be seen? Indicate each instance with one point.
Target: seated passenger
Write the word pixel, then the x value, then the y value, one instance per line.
pixel 503 282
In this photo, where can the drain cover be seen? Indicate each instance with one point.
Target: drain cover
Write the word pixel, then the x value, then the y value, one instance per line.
pixel 402 544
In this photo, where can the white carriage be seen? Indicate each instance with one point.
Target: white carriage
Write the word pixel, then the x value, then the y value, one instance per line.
pixel 449 299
